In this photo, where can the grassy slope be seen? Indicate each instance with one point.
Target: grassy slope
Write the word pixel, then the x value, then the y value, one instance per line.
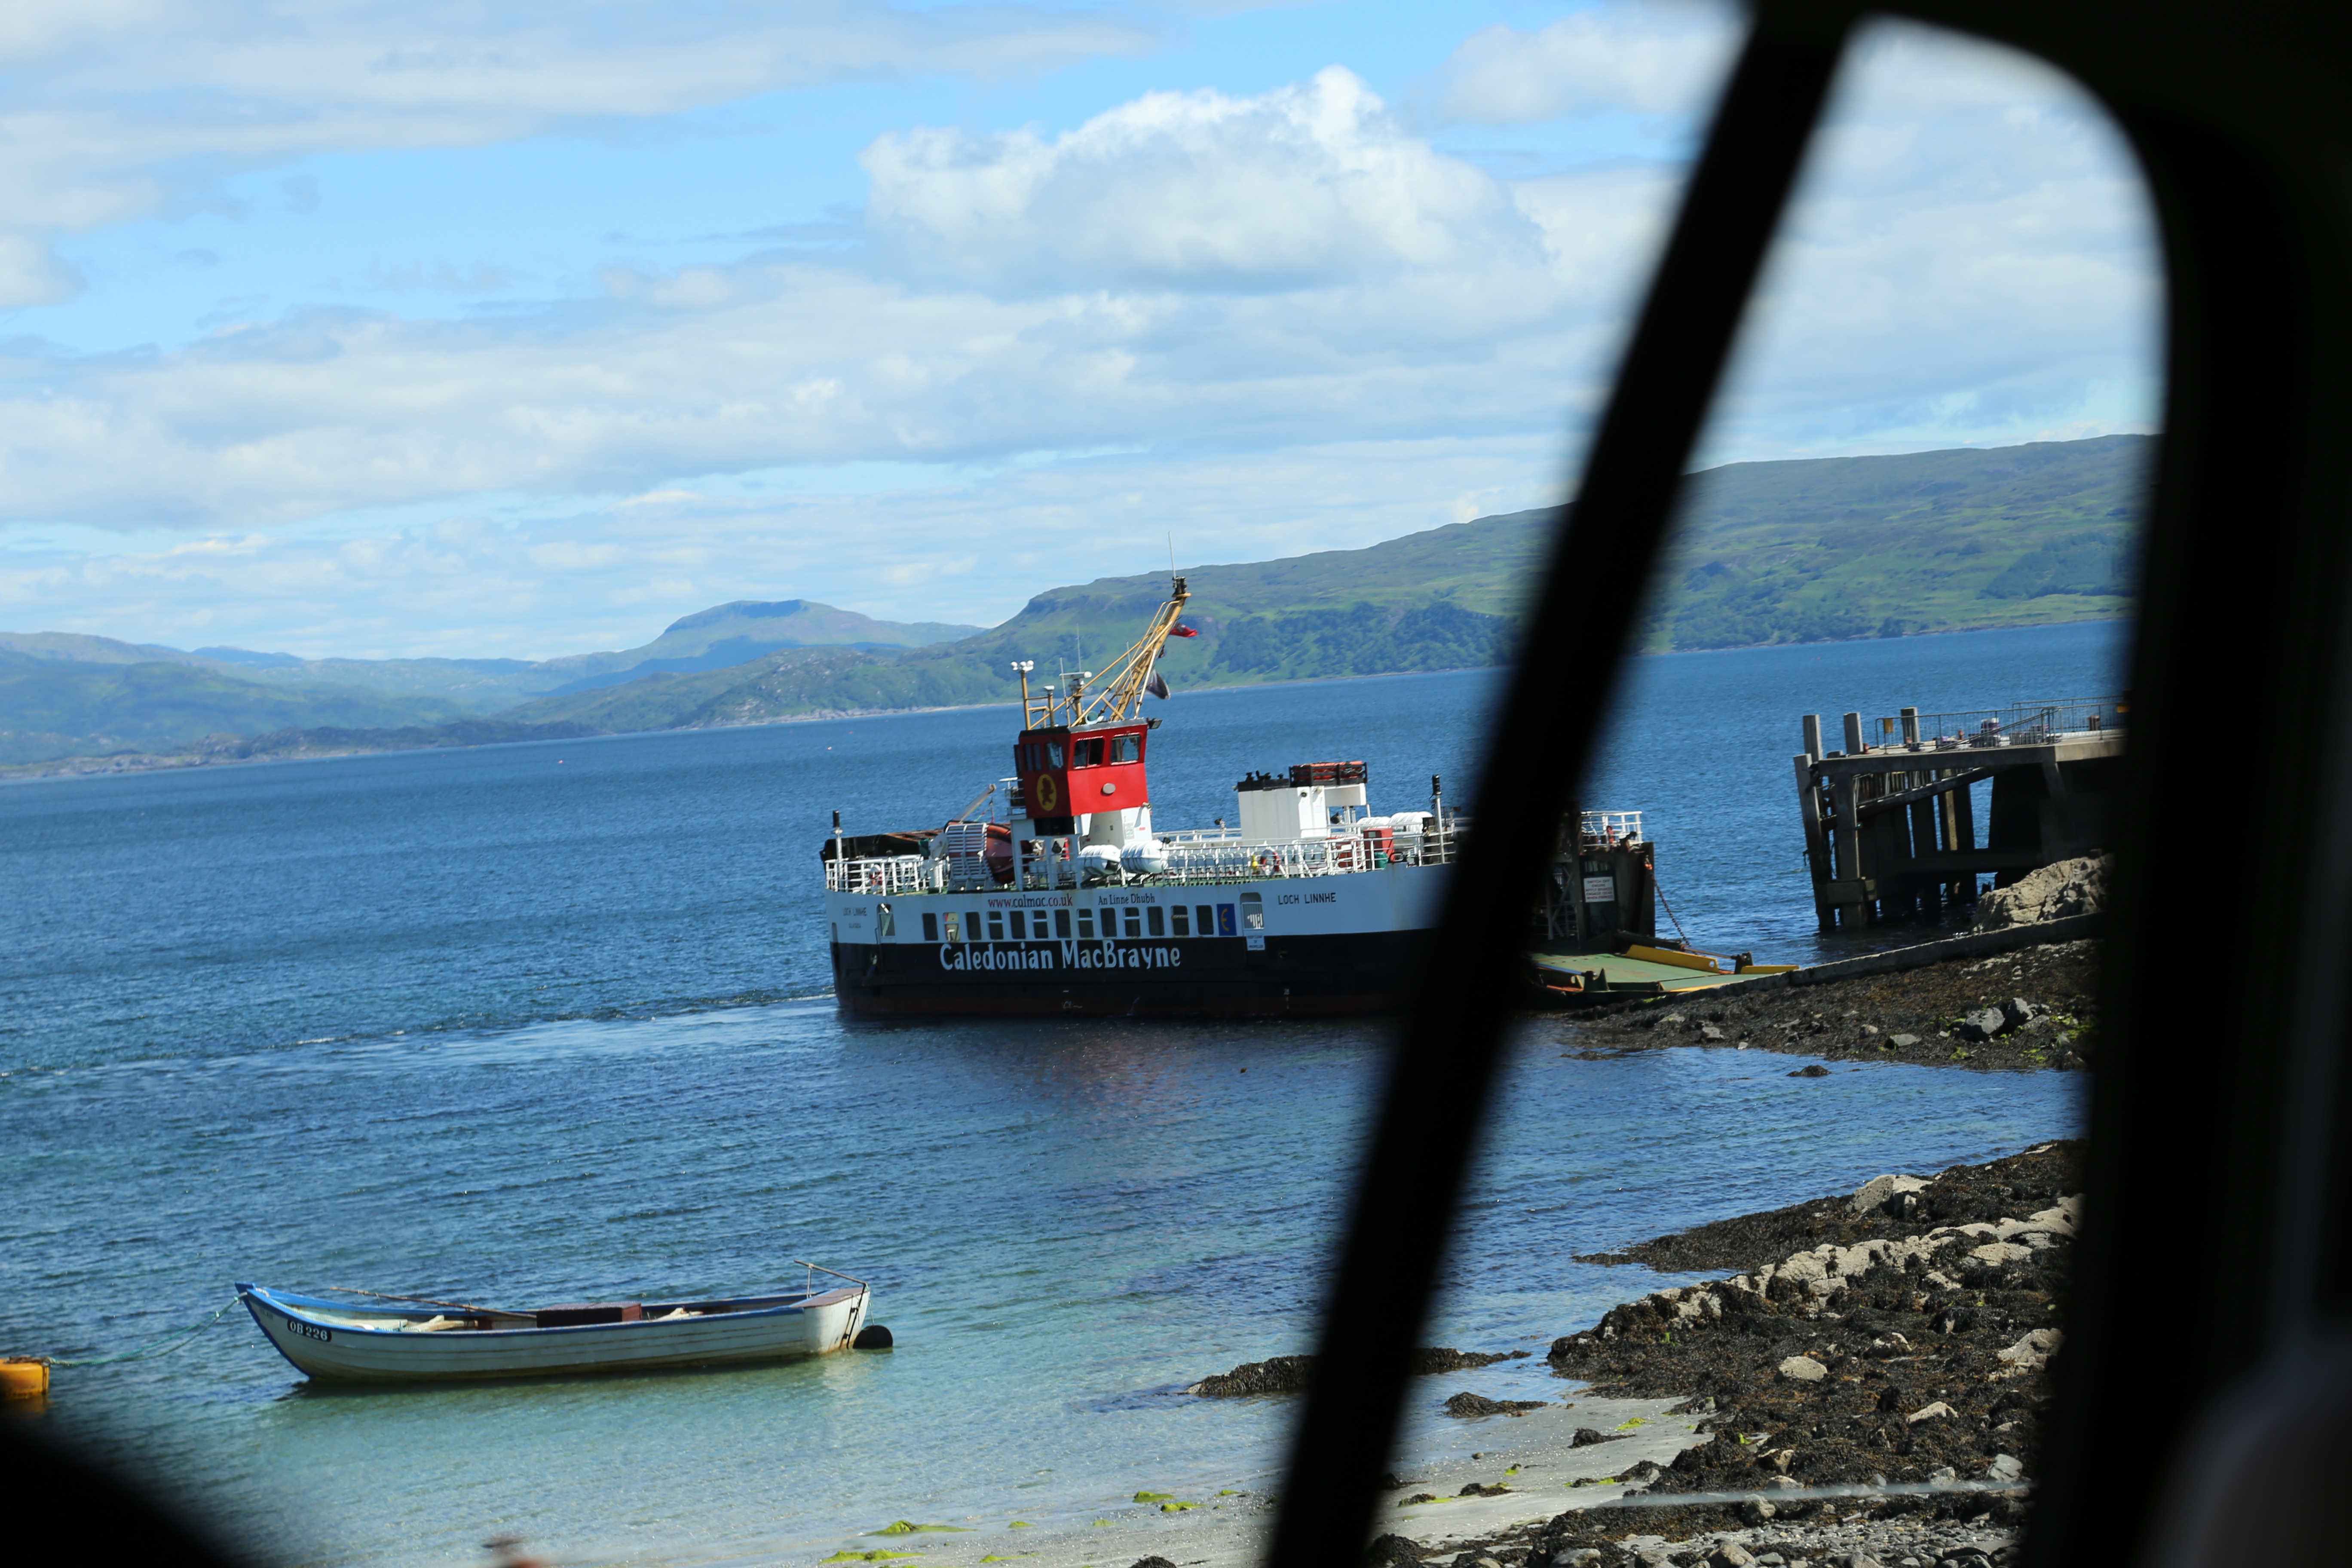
pixel 57 709
pixel 1847 547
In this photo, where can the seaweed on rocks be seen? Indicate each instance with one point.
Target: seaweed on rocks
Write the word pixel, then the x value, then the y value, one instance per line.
pixel 1899 1333
pixel 1883 1209
pixel 1468 1404
pixel 2022 1011
pixel 1289 1373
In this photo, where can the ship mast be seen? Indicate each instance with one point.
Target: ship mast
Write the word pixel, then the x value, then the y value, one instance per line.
pixel 1123 684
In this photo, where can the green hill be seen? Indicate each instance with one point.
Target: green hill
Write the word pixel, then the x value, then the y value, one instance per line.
pixel 1803 551
pixel 1835 548
pixel 56 708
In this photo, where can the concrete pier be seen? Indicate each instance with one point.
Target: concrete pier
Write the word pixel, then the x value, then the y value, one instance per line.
pixel 1890 823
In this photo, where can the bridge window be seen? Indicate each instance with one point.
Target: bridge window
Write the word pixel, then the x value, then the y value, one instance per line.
pixel 1086 925
pixel 1253 913
pixel 995 925
pixel 1181 915
pixel 955 929
pixel 1127 748
pixel 1061 922
pixel 1053 754
pixel 884 923
pixel 930 927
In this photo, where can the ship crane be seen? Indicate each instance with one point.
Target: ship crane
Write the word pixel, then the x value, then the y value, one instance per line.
pixel 1122 687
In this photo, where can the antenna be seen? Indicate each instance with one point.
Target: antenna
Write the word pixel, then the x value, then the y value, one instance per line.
pixel 1172 554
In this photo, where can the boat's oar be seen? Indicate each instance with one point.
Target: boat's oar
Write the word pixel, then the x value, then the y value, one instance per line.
pixel 427 1302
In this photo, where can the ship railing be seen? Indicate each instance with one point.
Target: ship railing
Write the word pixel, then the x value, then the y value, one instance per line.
pixel 883 875
pixel 1607 829
pixel 1211 856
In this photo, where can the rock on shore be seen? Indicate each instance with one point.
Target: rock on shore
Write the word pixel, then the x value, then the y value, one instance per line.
pixel 1289 1373
pixel 2030 1009
pixel 2054 892
pixel 1899 1333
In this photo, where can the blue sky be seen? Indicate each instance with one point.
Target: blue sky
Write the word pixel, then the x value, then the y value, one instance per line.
pixel 355 328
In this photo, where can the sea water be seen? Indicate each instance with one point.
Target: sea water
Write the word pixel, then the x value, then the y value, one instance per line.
pixel 551 1021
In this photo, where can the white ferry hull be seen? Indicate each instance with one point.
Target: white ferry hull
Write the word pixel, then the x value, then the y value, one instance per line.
pixel 1322 945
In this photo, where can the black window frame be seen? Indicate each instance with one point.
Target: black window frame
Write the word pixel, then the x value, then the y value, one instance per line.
pixel 2243 133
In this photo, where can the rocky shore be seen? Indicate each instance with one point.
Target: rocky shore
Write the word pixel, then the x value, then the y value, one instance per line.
pixel 1898 1335
pixel 2032 1009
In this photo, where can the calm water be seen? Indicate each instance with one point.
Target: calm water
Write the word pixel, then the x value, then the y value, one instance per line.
pixel 547 1022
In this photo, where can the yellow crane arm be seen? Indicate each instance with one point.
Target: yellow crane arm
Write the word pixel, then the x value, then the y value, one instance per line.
pixel 1120 691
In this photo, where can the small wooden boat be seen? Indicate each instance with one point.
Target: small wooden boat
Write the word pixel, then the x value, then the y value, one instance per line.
pixel 411 1339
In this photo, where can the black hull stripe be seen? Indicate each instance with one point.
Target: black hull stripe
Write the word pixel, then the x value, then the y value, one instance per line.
pixel 1353 975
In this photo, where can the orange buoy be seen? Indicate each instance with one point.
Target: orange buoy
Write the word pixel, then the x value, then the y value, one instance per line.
pixel 24 1377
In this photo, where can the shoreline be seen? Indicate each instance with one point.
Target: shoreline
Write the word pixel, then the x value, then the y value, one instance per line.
pixel 1865 1378
pixel 161 762
pixel 2033 1007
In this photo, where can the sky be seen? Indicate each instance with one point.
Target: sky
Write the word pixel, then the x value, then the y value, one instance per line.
pixel 356 328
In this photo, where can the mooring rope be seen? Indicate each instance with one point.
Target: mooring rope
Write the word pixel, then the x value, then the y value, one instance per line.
pixel 164 1346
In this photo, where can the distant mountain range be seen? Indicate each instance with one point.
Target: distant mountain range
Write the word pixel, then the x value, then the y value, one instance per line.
pixel 1806 550
pixel 62 694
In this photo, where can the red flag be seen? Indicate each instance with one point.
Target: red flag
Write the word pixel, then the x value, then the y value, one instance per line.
pixel 1182 632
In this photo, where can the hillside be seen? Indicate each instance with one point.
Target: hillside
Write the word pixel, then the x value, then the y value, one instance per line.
pixel 54 708
pixel 1796 551
pixel 1803 551
pixel 797 683
pixel 714 638
pixel 1848 547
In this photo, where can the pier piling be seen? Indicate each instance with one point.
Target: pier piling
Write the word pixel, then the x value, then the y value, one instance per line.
pixel 1890 829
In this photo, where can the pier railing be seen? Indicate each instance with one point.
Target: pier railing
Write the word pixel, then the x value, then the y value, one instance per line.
pixel 2019 724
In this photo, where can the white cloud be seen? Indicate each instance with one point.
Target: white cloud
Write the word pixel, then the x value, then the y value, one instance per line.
pixel 1970 258
pixel 121 109
pixel 1187 271
pixel 1305 184
pixel 1664 58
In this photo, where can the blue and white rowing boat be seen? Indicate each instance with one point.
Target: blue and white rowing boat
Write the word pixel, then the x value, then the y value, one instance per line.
pixel 428 1341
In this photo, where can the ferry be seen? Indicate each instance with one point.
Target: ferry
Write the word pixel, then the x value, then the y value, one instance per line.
pixel 1056 892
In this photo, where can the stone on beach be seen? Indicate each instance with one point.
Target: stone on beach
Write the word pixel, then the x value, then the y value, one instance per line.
pixel 2055 892
pixel 1290 1374
pixel 1467 1404
pixel 1982 1024
pixel 1804 1369
pixel 1872 1194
